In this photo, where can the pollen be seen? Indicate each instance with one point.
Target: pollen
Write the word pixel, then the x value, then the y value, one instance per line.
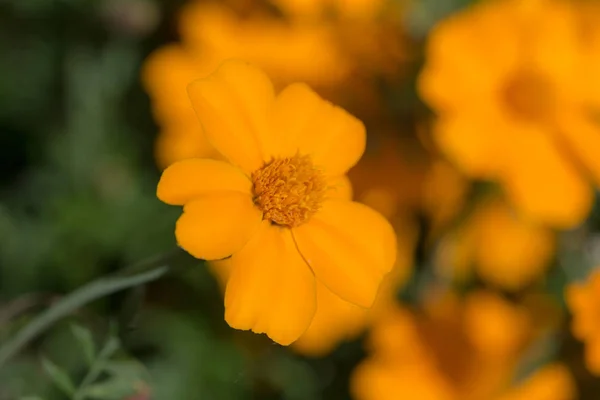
pixel 289 190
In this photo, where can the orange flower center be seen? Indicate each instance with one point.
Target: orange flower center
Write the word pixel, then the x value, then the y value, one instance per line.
pixel 529 96
pixel 289 190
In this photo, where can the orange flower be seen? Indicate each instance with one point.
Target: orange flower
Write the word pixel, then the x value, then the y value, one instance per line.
pixel 337 320
pixel 212 33
pixel 424 357
pixel 280 208
pixel 502 248
pixel 551 382
pixel 510 81
pixel 353 9
pixel 584 301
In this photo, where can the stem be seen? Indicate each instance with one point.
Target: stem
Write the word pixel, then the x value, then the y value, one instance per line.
pixel 80 297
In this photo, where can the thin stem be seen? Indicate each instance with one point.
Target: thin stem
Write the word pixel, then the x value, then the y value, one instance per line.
pixel 87 293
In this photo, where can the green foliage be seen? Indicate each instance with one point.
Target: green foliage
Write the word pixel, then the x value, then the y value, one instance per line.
pixel 108 377
pixel 59 377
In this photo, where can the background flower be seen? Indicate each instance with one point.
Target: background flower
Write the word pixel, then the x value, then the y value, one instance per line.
pixel 506 79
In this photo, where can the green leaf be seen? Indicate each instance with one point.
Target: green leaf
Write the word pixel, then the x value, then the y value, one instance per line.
pixel 86 341
pixel 31 398
pixel 126 369
pixel 114 388
pixel 59 377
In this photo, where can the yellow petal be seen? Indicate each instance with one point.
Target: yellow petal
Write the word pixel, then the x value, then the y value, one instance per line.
pixel 460 137
pixel 339 188
pixel 305 122
pixel 592 356
pixel 218 224
pixel 233 106
pixel 350 248
pixel 189 179
pixel 220 269
pixel 181 141
pixel 462 67
pixel 551 382
pixel 510 252
pixel 543 183
pixel 582 139
pixel 334 321
pixel 271 289
pixel 165 76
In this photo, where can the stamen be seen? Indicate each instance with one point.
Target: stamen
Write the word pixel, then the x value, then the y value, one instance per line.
pixel 289 190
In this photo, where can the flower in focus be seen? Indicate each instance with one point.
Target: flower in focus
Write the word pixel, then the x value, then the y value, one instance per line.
pixel 337 320
pixel 423 356
pixel 281 207
pixel 501 247
pixel 584 301
pixel 511 83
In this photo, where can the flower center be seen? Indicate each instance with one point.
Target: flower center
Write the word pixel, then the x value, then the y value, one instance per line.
pixel 529 96
pixel 289 190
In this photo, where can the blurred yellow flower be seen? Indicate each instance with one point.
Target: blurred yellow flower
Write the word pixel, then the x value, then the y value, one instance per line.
pixel 423 357
pixel 281 207
pixel 287 52
pixel 551 382
pixel 510 81
pixel 584 301
pixel 501 247
pixel 443 195
pixel 312 9
pixel 212 33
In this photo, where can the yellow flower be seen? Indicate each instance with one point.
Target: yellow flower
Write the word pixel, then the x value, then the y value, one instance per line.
pixel 287 52
pixel 423 356
pixel 551 382
pixel 165 75
pixel 280 208
pixel 501 247
pixel 337 320
pixel 212 33
pixel 510 81
pixel 314 9
pixel 443 195
pixel 584 301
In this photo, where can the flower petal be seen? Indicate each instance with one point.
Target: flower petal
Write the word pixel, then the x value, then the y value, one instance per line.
pixel 335 320
pixel 271 289
pixel 462 68
pixel 186 180
pixel 233 106
pixel 306 123
pixel 181 141
pixel 339 188
pixel 218 224
pixel 543 182
pixel 350 248
pixel 582 135
pixel 460 137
